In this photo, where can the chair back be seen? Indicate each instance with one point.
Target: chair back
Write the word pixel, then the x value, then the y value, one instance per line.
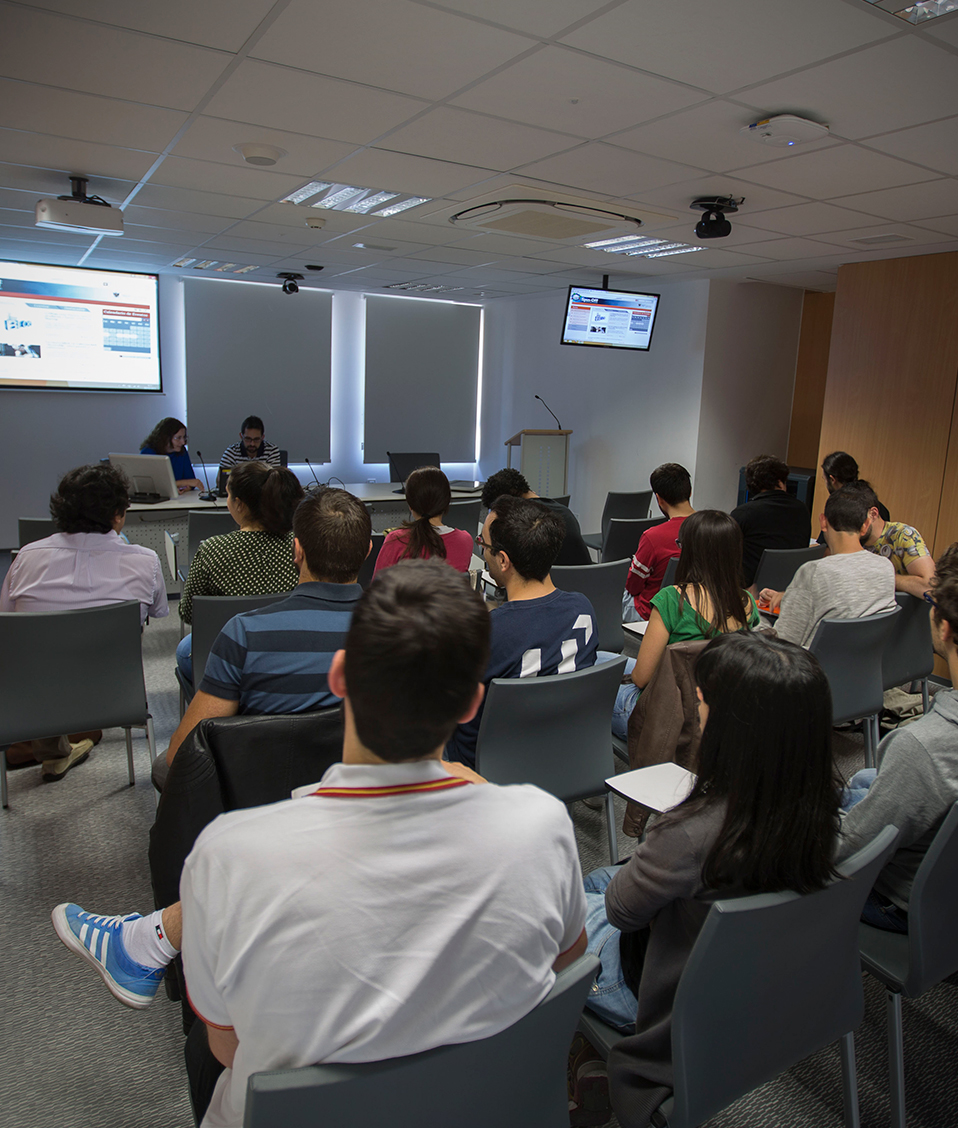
pixel 402 463
pixel 628 506
pixel 552 731
pixel 211 613
pixel 369 564
pixel 284 457
pixel 908 655
pixel 203 523
pixel 933 912
pixel 513 1079
pixel 30 529
pixel 93 659
pixel 772 978
pixel 464 515
pixel 563 500
pixel 670 569
pixel 169 549
pixel 622 535
pixel 602 585
pixel 850 652
pixel 777 566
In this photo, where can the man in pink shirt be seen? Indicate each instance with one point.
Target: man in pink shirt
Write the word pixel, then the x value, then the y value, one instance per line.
pixel 673 488
pixel 86 564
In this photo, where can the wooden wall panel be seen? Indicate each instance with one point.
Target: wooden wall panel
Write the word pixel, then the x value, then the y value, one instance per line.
pixel 811 370
pixel 947 531
pixel 892 371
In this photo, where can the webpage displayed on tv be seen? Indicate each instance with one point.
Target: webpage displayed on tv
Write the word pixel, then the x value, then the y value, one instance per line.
pixel 609 317
pixel 74 328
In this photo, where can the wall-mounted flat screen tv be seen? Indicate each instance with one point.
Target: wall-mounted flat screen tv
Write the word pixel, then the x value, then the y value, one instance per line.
pixel 609 319
pixel 78 329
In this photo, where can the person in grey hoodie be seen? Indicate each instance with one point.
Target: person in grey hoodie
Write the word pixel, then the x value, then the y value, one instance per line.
pixel 917 777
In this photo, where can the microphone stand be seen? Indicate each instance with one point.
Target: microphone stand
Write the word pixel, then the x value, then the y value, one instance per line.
pixel 209 495
pixel 550 411
pixel 319 484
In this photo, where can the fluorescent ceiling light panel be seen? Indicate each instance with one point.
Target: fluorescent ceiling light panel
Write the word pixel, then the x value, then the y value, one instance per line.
pixel 206 264
pixel 305 192
pixel 608 244
pixel 395 209
pixel 680 250
pixel 365 205
pixel 341 194
pixel 245 269
pixel 916 13
pixel 184 261
pixel 227 266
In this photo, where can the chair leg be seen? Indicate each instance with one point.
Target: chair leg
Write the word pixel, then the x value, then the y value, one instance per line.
pixel 151 738
pixel 849 1081
pixel 896 1060
pixel 3 778
pixel 129 755
pixel 924 695
pixel 869 735
pixel 611 828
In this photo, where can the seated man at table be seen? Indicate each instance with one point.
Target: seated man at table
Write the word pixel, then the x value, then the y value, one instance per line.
pixel 672 487
pixel 899 543
pixel 540 629
pixel 398 905
pixel 916 782
pixel 251 447
pixel 772 517
pixel 573 550
pixel 85 564
pixel 847 584
pixel 275 659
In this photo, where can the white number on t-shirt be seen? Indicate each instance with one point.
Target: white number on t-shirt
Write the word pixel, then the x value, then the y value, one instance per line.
pixel 569 648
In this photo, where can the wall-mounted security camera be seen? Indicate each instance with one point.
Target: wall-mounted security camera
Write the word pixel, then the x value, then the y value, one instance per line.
pixel 315 222
pixel 289 283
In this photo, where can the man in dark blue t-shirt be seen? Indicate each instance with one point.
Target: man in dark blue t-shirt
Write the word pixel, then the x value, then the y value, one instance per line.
pixel 540 630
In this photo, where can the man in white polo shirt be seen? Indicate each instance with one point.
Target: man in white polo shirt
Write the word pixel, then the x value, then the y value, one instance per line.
pixel 395 906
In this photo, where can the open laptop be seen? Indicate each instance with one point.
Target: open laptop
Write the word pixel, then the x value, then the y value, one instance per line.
pixel 150 476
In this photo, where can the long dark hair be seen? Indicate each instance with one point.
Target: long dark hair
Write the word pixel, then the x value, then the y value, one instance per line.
pixel 840 466
pixel 428 494
pixel 270 493
pixel 766 755
pixel 711 565
pixel 162 434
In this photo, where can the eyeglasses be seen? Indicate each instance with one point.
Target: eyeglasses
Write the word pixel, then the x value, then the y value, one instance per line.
pixel 480 543
pixel 928 599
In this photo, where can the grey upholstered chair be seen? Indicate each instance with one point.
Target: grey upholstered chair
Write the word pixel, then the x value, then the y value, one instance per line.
pixel 602 585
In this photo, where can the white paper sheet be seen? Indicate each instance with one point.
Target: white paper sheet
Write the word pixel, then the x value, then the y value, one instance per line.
pixel 660 787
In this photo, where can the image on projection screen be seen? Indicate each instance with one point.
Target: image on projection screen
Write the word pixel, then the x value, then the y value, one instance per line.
pixel 78 329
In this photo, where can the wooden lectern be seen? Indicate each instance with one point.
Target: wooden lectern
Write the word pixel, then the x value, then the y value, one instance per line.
pixel 543 460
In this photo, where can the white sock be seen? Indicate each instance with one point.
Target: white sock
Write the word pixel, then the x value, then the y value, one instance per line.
pixel 145 941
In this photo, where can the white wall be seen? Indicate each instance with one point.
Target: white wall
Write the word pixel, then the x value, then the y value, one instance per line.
pixel 748 377
pixel 629 411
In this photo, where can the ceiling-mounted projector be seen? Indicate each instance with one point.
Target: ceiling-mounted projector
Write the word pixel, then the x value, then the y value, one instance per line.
pixel 79 213
pixel 784 130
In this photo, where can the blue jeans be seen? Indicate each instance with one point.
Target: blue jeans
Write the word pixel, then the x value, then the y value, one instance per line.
pixel 625 700
pixel 629 613
pixel 857 788
pixel 184 657
pixel 609 997
pixel 878 911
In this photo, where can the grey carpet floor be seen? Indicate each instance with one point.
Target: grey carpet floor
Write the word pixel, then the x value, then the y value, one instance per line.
pixel 72 1056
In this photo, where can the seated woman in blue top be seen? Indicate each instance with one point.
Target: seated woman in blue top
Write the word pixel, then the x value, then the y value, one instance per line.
pixel 169 437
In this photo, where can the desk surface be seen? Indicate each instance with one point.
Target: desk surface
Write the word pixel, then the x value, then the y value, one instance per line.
pixel 365 491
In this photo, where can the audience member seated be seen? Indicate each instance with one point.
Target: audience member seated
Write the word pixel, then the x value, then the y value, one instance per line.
pixel 86 564
pixel 261 662
pixel 840 469
pixel 574 550
pixel 427 535
pixel 916 782
pixel 540 630
pixel 252 447
pixel 899 543
pixel 496 911
pixel 849 583
pixel 762 817
pixel 673 488
pixel 707 599
pixel 256 559
pixel 772 517
pixel 169 437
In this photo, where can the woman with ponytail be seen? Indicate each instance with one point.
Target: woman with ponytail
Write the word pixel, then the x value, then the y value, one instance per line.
pixel 428 495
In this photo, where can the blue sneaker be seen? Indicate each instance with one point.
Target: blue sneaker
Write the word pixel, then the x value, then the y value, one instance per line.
pixel 99 940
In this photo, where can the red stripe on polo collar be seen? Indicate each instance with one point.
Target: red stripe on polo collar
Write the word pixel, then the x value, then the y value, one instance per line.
pixel 391 789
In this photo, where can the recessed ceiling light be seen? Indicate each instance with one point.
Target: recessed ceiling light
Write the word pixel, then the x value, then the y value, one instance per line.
pixel 245 269
pixel 257 154
pixel 370 202
pixel 183 262
pixel 340 194
pixel 638 247
pixel 304 193
pixel 205 265
pixel 226 266
pixel 916 13
pixel 395 209
pixel 372 247
pixel 677 250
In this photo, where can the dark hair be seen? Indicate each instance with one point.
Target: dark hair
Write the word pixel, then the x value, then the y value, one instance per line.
pixel 528 533
pixel 764 472
pixel 428 494
pixel 671 482
pixel 416 651
pixel 944 587
pixel 333 530
pixel 846 510
pixel 503 482
pixel 89 497
pixel 270 493
pixel 766 755
pixel 162 434
pixel 253 421
pixel 840 466
pixel 864 489
pixel 711 565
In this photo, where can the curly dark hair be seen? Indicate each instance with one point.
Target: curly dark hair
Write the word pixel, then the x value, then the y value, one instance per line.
pixel 508 481
pixel 89 497
pixel 161 435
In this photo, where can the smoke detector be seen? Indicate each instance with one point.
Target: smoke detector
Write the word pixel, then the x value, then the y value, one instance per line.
pixel 261 155
pixel 784 130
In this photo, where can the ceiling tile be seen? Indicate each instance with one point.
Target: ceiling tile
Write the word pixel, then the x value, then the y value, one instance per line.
pixel 269 95
pixel 835 172
pixel 945 223
pixel 227 254
pixel 174 220
pixel 918 236
pixel 934 145
pixel 50 182
pixel 203 203
pixel 278 233
pixel 719 257
pixel 903 82
pixel 205 176
pixel 399 172
pixel 79 157
pixel 24 201
pixel 57 51
pixel 944 28
pixel 39 252
pixel 432 234
pixel 211 138
pixel 678 197
pixel 263 248
pixel 740 235
pixel 563 90
pixel 128 245
pixel 803 219
pixel 723 49
pixel 294 215
pixel 537 17
pixel 415 50
pixel 783 249
pixel 917 201
pixel 26 237
pixel 214 23
pixel 618 171
pixel 501 244
pixel 458 256
pixel 11 218
pixel 147 234
pixel 457 135
pixel 820 280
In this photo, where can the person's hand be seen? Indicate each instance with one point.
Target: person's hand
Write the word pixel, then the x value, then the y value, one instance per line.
pixel 770 599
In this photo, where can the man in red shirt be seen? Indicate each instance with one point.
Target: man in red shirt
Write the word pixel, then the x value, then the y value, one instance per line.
pixel 673 488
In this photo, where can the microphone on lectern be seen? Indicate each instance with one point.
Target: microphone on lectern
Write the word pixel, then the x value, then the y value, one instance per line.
pixel 550 411
pixel 319 484
pixel 209 495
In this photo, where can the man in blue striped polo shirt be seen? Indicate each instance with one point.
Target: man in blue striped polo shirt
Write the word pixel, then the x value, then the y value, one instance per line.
pixel 275 659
